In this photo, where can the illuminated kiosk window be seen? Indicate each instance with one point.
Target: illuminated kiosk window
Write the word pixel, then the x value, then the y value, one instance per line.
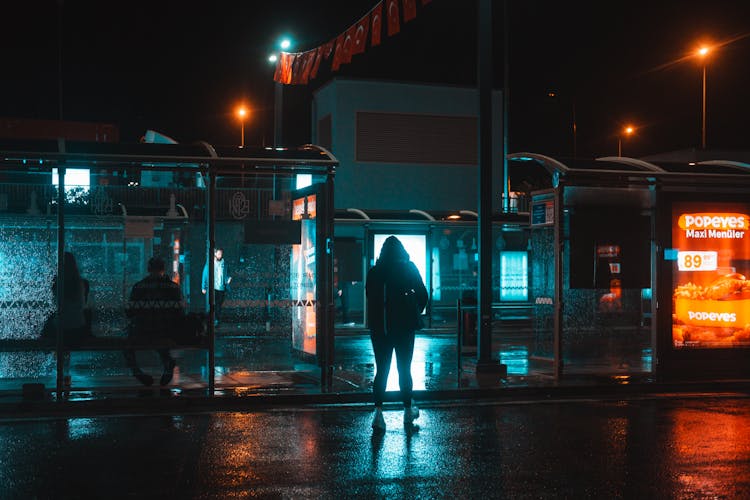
pixel 436 274
pixel 303 180
pixel 77 182
pixel 415 245
pixel 514 276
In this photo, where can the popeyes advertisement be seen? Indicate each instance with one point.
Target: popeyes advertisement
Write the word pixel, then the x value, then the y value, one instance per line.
pixel 711 294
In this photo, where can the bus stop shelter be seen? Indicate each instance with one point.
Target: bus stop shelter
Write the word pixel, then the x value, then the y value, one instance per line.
pixel 113 206
pixel 639 267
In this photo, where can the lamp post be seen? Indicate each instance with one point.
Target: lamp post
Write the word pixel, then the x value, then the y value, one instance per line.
pixel 242 113
pixel 278 100
pixel 278 96
pixel 553 94
pixel 703 53
pixel 628 131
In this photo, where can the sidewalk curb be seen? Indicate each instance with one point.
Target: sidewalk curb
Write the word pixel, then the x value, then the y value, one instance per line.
pixel 158 404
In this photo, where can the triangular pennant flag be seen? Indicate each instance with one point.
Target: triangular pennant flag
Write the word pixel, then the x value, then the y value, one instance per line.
pixel 316 62
pixel 360 34
pixel 394 24
pixel 348 44
pixel 338 52
pixel 302 72
pixel 376 24
pixel 299 68
pixel 327 49
pixel 284 65
pixel 299 61
pixel 410 10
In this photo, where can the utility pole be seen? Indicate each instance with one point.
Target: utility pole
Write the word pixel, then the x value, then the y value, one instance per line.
pixel 485 363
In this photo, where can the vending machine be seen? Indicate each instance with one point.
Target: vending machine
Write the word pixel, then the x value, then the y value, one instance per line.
pixel 608 276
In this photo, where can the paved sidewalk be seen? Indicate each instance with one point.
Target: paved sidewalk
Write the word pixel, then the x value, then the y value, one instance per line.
pixel 257 371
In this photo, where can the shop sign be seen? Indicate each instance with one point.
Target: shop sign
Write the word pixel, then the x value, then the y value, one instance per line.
pixel 139 227
pixel 543 213
pixel 711 289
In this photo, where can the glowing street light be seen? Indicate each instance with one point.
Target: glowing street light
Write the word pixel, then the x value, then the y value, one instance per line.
pixel 284 44
pixel 702 53
pixel 242 113
pixel 627 131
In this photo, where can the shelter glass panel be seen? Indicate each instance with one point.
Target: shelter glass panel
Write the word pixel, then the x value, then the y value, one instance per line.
pixel 542 292
pixel 604 327
pixel 28 264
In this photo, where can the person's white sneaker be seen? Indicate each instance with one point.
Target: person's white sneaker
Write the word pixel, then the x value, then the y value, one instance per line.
pixel 411 413
pixel 378 422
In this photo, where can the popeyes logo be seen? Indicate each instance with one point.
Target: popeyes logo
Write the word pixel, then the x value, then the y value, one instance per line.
pixel 712 317
pixel 720 221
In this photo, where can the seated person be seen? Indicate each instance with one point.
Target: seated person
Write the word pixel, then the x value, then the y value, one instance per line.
pixel 75 313
pixel 156 310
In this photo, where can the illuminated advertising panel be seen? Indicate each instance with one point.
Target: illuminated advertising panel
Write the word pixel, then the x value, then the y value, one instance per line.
pixel 711 292
pixel 304 277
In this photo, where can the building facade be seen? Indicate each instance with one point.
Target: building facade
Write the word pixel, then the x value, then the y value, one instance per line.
pixel 409 165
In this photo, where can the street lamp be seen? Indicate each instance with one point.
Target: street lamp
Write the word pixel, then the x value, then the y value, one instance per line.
pixel 278 95
pixel 573 127
pixel 627 131
pixel 242 113
pixel 702 53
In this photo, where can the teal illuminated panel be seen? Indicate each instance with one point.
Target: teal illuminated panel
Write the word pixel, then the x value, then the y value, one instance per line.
pixel 514 276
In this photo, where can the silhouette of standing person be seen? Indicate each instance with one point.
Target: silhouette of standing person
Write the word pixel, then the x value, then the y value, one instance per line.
pixel 396 297
pixel 156 310
pixel 221 282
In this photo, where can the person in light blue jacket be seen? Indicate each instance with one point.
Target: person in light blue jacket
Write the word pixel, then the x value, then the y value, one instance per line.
pixel 221 282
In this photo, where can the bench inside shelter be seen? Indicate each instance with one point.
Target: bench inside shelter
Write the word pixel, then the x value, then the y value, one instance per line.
pixel 98 344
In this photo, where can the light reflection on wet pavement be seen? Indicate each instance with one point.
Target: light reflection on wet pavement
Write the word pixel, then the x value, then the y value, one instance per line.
pixel 695 447
pixel 247 365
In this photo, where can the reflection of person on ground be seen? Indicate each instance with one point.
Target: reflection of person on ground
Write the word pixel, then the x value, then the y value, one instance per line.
pixel 72 314
pixel 341 292
pixel 396 297
pixel 221 282
pixel 156 310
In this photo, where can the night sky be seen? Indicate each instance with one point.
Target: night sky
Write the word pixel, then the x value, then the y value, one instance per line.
pixel 181 67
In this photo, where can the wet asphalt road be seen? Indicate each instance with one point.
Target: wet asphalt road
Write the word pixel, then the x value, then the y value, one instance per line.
pixel 686 447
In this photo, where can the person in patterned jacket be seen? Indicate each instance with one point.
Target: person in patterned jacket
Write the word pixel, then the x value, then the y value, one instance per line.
pixel 156 310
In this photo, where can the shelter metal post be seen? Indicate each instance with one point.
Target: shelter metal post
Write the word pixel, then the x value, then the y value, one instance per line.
pixel 557 366
pixel 485 363
pixel 327 290
pixel 211 244
pixel 59 347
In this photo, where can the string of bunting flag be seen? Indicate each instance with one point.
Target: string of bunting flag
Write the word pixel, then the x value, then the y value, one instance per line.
pixel 298 68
